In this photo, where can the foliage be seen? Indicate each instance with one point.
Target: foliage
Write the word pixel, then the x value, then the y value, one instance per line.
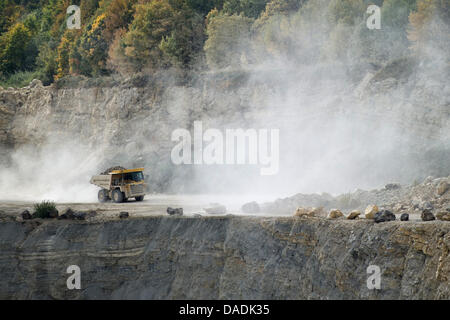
pixel 152 22
pixel 126 36
pixel 14 47
pixel 45 209
pixel 118 15
pixel 90 59
pixel 430 26
pixel 346 12
pixel 19 79
pixel 249 8
pixel 227 38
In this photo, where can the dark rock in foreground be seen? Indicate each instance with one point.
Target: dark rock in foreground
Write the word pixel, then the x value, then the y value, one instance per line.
pixel 404 217
pixel 175 212
pixel 427 215
pixel 384 216
pixel 26 215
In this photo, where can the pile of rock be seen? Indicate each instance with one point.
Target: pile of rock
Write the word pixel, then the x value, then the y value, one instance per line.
pixel 174 212
pixel 372 212
pixel 216 209
pixel 68 214
pixel 107 171
pixel 308 212
pixel 251 207
pixel 334 214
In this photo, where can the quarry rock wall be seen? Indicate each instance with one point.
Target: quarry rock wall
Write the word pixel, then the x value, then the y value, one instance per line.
pixel 225 258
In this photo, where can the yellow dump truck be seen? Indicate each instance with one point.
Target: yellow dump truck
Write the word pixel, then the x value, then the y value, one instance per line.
pixel 120 185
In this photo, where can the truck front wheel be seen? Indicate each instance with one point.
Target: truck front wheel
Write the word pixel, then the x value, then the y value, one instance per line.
pixel 117 196
pixel 103 195
pixel 139 198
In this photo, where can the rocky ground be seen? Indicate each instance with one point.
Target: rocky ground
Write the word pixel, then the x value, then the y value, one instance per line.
pixel 224 257
pixel 432 194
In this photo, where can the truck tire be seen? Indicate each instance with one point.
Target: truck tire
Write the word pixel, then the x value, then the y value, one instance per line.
pixel 117 196
pixel 103 196
pixel 139 198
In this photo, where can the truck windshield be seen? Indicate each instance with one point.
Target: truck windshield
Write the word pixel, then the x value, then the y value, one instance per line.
pixel 134 176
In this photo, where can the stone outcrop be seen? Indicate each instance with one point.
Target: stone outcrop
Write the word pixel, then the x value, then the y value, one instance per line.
pixel 224 258
pixel 131 121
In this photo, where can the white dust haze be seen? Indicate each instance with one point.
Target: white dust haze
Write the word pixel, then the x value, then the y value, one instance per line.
pixel 333 137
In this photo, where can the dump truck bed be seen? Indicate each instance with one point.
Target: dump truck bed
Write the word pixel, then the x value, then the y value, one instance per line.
pixel 103 181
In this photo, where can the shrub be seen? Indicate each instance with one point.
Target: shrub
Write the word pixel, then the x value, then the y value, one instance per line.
pixel 19 79
pixel 228 39
pixel 45 209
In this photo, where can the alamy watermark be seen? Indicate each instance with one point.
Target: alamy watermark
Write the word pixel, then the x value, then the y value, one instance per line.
pixel 374 20
pixel 234 146
pixel 74 280
pixel 74 19
pixel 374 280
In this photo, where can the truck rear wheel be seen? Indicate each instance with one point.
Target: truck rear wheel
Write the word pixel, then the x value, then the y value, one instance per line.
pixel 117 196
pixel 139 198
pixel 103 195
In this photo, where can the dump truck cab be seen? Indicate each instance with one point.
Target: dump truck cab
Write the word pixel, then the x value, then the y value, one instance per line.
pixel 121 185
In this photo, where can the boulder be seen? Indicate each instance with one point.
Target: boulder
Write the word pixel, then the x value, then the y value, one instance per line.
pixel 370 211
pixel 335 213
pixel 124 215
pixel 26 215
pixel 91 214
pixel 53 214
pixel 442 188
pixel 250 207
pixel 80 215
pixel 301 212
pixel 175 212
pixel 112 169
pixel 384 216
pixel 217 209
pixel 427 215
pixel 353 214
pixel 443 215
pixel 308 212
pixel 68 214
pixel 404 217
pixel 427 205
pixel 35 83
pixel 392 186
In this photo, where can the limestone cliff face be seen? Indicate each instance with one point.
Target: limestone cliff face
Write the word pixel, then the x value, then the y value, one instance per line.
pixel 131 122
pixel 225 258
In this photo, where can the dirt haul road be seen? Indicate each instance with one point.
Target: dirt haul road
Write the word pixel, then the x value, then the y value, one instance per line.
pixel 192 206
pixel 152 205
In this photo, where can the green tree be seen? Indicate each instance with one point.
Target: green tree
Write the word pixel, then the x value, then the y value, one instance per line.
pixel 13 49
pixel 228 38
pixel 250 8
pixel 88 8
pixel 184 46
pixel 429 26
pixel 65 49
pixel 153 21
pixel 119 15
pixel 10 12
pixel 395 13
pixel 347 12
pixel 91 52
pixel 47 61
pixel 203 6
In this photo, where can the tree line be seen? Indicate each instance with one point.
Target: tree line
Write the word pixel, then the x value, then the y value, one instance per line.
pixel 129 36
